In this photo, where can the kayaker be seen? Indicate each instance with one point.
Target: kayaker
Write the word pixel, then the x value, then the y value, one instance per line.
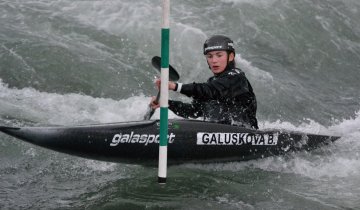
pixel 227 97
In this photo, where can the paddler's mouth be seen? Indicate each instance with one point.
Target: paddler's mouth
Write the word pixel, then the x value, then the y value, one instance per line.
pixel 215 67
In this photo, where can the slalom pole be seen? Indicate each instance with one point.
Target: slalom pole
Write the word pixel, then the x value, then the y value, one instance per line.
pixel 164 91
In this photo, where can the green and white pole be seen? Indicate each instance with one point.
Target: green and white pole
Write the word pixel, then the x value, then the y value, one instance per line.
pixel 164 91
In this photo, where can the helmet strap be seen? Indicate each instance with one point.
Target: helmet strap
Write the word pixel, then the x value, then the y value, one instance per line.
pixel 228 60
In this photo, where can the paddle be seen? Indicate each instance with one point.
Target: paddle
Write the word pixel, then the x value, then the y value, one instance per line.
pixel 173 76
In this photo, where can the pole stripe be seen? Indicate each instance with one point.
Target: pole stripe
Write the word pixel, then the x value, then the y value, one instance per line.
pixel 165 45
pixel 166 14
pixel 163 126
pixel 164 92
pixel 162 161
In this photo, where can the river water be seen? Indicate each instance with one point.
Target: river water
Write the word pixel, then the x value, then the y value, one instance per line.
pixel 79 62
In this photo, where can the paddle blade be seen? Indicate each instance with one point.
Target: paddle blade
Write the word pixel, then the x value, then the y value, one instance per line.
pixel 173 74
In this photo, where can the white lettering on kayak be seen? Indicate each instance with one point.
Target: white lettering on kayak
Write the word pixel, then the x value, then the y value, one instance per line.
pixel 133 138
pixel 237 138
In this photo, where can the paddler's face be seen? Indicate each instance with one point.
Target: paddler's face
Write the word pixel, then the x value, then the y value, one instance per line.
pixel 218 60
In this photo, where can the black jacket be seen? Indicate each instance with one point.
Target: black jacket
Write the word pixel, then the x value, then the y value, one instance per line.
pixel 226 98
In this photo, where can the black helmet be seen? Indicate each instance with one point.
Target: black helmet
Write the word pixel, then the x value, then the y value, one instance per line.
pixel 219 42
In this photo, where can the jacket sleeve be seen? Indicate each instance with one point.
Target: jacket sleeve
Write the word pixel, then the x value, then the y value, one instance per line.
pixel 227 86
pixel 185 110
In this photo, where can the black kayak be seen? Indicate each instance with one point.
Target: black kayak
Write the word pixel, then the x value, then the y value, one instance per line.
pixel 188 141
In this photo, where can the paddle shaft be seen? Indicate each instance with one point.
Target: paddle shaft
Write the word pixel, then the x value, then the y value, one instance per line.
pixel 150 111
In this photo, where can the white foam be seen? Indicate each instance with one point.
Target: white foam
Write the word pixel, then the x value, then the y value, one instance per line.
pixel 51 108
pixel 348 127
pixel 100 166
pixel 252 71
pixel 338 160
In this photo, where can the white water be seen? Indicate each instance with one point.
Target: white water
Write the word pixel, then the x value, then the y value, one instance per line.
pixel 301 58
pixel 72 109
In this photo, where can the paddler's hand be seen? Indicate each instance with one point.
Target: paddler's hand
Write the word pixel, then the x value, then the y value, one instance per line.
pixel 172 85
pixel 153 103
